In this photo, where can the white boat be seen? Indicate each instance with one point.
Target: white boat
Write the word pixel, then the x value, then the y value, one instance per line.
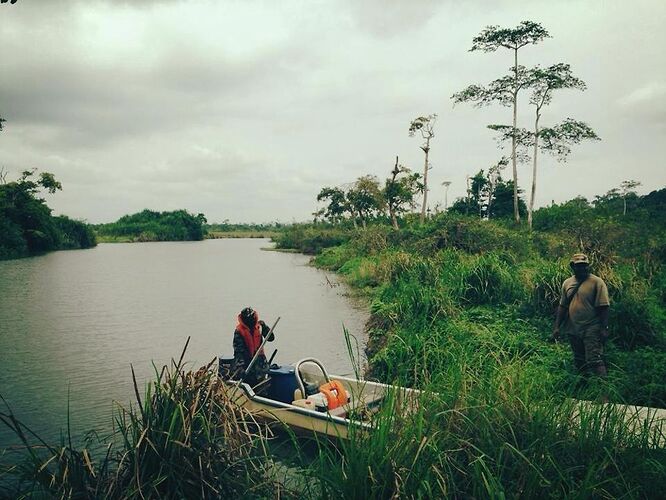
pixel 296 396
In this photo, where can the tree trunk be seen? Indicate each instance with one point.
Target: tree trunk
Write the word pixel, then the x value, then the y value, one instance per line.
pixel 425 181
pixel 394 220
pixel 516 212
pixel 624 211
pixel 534 170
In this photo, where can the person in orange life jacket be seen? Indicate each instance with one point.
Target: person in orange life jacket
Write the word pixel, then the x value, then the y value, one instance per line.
pixel 248 336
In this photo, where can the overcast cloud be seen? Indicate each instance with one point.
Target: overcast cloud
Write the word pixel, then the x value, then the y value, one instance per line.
pixel 244 110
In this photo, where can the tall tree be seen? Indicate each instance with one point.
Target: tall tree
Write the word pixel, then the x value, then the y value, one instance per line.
pixel 446 185
pixel 556 141
pixel 399 192
pixel 491 39
pixel 365 197
pixel 628 187
pixel 543 82
pixel 425 125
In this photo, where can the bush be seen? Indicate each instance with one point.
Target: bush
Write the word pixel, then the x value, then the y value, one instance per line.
pixel 311 240
pixel 178 225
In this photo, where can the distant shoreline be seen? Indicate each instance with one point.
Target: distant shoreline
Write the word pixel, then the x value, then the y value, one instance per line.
pixel 214 235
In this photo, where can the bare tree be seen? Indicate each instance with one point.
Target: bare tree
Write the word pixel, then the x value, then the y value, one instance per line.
pixel 399 193
pixel 425 125
pixel 446 185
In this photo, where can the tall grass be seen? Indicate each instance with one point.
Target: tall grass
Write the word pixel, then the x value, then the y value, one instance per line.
pixel 185 438
pixel 488 435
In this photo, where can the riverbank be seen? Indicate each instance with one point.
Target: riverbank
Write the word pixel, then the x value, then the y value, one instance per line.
pixel 462 309
pixel 482 281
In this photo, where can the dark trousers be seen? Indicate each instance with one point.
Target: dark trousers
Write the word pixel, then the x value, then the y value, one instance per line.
pixel 587 348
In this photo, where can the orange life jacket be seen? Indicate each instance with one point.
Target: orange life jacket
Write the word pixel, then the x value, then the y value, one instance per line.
pixel 335 393
pixel 252 339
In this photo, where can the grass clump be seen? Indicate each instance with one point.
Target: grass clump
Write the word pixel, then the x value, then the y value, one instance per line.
pixel 186 438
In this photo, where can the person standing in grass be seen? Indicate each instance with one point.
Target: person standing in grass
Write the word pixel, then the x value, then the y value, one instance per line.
pixel 583 313
pixel 248 337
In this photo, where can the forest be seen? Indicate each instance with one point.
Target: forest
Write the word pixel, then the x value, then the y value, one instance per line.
pixel 27 226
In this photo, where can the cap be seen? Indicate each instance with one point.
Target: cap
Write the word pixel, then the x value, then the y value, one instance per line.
pixel 579 258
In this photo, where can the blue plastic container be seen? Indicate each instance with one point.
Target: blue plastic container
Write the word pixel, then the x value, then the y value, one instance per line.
pixel 283 383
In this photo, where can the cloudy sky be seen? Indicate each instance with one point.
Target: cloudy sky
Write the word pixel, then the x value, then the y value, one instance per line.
pixel 244 110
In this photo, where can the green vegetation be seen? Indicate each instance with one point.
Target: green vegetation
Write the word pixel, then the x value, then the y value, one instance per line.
pixel 186 438
pixel 483 284
pixel 26 224
pixel 462 308
pixel 226 229
pixel 149 225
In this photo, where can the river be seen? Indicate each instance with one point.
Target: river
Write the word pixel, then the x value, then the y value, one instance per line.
pixel 72 322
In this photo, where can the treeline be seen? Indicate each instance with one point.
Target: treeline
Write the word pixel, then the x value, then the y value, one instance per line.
pixel 226 229
pixel 149 225
pixel 26 224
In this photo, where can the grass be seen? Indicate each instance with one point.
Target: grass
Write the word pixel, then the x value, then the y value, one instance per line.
pixel 490 436
pixel 463 312
pixel 185 438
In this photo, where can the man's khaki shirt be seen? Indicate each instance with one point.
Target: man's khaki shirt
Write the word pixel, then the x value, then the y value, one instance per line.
pixel 583 314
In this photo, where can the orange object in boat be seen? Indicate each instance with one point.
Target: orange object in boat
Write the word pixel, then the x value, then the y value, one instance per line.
pixel 335 393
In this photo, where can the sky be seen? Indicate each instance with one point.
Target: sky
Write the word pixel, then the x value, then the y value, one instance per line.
pixel 244 110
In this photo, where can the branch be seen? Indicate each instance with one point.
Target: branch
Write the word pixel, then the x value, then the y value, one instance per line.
pixel 558 139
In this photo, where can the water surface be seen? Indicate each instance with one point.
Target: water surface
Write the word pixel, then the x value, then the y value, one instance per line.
pixel 71 323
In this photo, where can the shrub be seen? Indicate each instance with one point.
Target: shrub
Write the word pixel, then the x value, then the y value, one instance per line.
pixel 311 240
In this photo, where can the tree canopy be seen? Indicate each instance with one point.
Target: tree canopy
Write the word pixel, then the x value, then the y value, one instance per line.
pixel 26 224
